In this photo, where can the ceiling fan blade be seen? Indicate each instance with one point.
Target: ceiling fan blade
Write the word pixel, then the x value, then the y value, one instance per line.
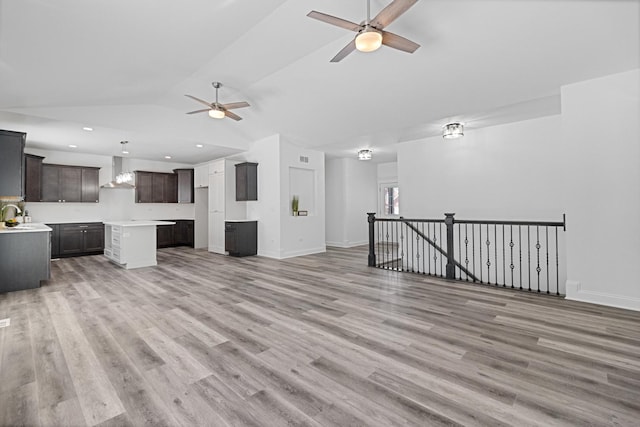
pixel 199 111
pixel 391 13
pixel 233 116
pixel 233 105
pixel 398 42
pixel 339 22
pixel 345 51
pixel 200 101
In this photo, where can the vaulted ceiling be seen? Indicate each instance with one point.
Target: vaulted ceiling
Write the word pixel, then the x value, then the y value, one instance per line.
pixel 122 67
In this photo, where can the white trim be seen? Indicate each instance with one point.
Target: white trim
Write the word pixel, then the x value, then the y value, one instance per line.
pixel 576 293
pixel 346 244
pixel 303 252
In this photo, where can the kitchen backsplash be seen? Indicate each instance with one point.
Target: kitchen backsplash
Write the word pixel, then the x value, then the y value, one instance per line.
pixel 114 205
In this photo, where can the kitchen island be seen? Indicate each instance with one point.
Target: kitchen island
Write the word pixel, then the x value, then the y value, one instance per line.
pixel 25 256
pixel 131 244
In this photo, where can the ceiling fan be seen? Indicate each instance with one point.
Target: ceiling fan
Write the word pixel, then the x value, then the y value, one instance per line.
pixel 371 34
pixel 217 110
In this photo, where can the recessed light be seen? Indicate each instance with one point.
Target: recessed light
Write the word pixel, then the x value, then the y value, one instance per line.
pixel 199 145
pixel 73 146
pixel 167 157
pixel 88 129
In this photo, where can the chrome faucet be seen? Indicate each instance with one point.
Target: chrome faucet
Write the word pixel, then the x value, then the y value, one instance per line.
pixel 18 210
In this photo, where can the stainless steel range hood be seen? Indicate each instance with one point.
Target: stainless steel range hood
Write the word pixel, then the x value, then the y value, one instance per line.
pixel 118 173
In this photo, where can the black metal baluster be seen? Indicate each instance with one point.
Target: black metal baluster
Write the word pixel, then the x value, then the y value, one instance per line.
pixel 466 251
pixel 538 269
pixel 429 247
pixel 442 246
pixel 520 252
pixel 504 262
pixel 495 250
pixel 435 252
pixel 529 255
pixel 473 251
pixel 488 257
pixel 424 270
pixel 459 251
pixel 480 249
pixel 511 266
pixel 546 247
pixel 557 266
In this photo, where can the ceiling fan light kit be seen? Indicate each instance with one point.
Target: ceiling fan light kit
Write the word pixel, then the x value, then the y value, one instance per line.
pixel 453 130
pixel 371 34
pixel 216 113
pixel 369 40
pixel 217 110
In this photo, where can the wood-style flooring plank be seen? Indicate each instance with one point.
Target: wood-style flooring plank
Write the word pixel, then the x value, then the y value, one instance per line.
pixel 322 340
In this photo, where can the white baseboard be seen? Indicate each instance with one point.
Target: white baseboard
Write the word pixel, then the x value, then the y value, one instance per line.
pixel 346 244
pixel 303 252
pixel 576 293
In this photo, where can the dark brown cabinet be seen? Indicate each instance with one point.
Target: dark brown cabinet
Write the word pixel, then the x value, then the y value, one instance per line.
pixel 12 163
pixel 185 185
pixel 33 178
pixel 241 238
pixel 179 234
pixel 144 187
pixel 77 239
pixel 246 181
pixel 66 184
pixel 159 187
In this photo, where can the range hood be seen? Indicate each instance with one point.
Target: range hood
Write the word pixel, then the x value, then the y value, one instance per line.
pixel 121 178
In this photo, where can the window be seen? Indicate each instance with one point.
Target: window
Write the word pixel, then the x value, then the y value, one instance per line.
pixel 389 199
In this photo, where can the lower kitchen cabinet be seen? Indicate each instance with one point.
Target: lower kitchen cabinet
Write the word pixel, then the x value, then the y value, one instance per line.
pixel 77 239
pixel 179 234
pixel 241 237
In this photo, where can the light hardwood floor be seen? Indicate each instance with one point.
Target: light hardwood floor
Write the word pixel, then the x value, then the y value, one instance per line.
pixel 204 339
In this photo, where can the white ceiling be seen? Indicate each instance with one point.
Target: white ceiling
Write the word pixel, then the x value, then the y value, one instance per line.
pixel 123 67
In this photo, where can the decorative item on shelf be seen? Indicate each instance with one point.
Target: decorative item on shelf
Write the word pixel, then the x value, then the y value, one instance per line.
pixel 294 205
pixel 303 213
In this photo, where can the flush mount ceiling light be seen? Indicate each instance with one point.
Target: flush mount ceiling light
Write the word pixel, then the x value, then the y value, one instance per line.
pixel 452 130
pixel 88 129
pixel 167 157
pixel 199 145
pixel 73 146
pixel 364 154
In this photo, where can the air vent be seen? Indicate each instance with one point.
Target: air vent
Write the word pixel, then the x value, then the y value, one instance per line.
pixel 304 159
pixel 5 322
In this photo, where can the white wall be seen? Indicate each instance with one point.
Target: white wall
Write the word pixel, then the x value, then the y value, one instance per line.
pixel 115 204
pixel 509 172
pixel 351 193
pixel 335 202
pixel 301 235
pixel 387 172
pixel 602 136
pixel 266 210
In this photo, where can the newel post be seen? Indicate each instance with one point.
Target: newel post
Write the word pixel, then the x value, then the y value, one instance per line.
pixel 451 267
pixel 371 219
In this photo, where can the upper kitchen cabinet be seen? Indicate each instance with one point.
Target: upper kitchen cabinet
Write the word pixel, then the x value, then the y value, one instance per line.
pixel 185 185
pixel 246 181
pixel 33 178
pixel 201 176
pixel 64 184
pixel 12 164
pixel 158 187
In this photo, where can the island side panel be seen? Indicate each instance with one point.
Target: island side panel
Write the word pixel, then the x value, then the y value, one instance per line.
pixel 139 243
pixel 25 260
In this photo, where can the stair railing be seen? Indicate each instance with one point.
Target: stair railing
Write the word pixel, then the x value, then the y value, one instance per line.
pixel 524 255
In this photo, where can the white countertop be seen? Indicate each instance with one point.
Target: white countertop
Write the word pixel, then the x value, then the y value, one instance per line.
pixel 30 227
pixel 140 223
